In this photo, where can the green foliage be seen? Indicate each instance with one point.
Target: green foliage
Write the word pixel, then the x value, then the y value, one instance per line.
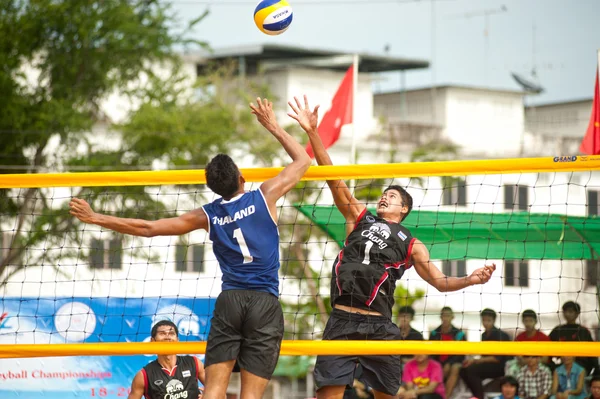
pixel 60 59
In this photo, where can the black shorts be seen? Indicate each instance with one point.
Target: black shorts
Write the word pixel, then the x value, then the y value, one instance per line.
pixel 247 326
pixel 382 373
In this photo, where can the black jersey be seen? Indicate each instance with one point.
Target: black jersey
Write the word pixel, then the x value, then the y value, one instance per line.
pixel 375 255
pixel 179 383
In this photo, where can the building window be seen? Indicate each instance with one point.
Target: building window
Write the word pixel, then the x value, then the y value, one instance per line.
pixel 454 268
pixel 592 268
pixel 516 197
pixel 592 202
pixel 106 254
pixel 189 258
pixel 516 273
pixel 455 192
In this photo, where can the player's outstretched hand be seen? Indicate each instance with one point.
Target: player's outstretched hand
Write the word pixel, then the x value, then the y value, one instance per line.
pixel 264 114
pixel 483 274
pixel 81 210
pixel 303 115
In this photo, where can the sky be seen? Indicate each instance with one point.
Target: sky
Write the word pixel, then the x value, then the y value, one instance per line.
pixel 564 52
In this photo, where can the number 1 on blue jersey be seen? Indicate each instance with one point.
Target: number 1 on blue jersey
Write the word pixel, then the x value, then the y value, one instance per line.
pixel 237 234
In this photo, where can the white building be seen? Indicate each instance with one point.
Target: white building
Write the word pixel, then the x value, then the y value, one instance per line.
pixel 488 123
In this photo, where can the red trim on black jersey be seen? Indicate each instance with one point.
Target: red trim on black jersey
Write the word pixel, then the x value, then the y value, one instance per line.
pixel 171 373
pixel 146 384
pixel 376 289
pixel 407 261
pixel 362 214
pixel 337 268
pixel 197 367
pixel 396 265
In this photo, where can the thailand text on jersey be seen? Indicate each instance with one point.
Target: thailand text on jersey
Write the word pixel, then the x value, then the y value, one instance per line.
pixel 375 255
pixel 245 242
pixel 179 383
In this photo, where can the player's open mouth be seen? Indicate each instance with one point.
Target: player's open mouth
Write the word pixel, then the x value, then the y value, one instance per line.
pixel 383 205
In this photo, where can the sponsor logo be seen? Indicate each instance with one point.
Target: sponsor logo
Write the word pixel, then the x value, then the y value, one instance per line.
pixel 175 390
pixel 382 229
pixel 158 382
pixel 571 158
pixel 370 219
pixel 378 233
pixel 402 236
pixel 186 373
pixel 583 158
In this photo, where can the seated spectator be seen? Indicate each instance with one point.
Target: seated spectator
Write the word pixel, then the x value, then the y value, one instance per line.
pixel 406 314
pixel 423 379
pixel 595 388
pixel 474 371
pixel 509 386
pixel 568 380
pixel 513 366
pixel 451 364
pixel 529 319
pixel 571 331
pixel 535 380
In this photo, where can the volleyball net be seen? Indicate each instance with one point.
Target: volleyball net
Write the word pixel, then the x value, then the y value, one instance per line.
pixel 71 289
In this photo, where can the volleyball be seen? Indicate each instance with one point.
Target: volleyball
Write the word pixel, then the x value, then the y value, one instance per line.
pixel 273 17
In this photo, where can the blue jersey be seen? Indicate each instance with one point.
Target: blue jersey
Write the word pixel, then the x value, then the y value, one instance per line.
pixel 246 242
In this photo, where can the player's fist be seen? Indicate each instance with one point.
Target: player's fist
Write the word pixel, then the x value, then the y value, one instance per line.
pixel 81 210
pixel 483 274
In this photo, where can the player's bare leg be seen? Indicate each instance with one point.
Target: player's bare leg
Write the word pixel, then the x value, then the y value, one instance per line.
pixel 331 392
pixel 217 379
pixel 253 386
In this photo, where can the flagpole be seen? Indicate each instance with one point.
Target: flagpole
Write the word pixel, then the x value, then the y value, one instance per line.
pixel 354 95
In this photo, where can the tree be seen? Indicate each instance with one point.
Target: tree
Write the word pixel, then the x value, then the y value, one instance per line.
pixel 78 53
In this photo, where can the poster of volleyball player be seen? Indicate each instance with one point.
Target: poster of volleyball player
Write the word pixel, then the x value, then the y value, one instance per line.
pixel 377 252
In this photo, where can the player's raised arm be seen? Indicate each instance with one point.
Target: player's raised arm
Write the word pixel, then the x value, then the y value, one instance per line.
pixel 183 224
pixel 429 272
pixel 137 386
pixel 349 206
pixel 277 187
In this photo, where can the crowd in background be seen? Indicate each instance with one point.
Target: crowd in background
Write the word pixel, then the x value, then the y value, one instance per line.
pixel 521 377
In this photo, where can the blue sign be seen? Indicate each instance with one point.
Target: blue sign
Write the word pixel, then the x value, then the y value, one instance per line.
pixel 73 320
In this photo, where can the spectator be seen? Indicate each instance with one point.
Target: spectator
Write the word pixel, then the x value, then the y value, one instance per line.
pixel 568 381
pixel 406 314
pixel 451 364
pixel 422 379
pixel 571 331
pixel 534 379
pixel 529 319
pixel 595 388
pixel 513 366
pixel 509 386
pixel 474 371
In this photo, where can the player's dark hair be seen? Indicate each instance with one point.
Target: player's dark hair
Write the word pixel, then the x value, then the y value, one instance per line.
pixel 222 176
pixel 406 310
pixel 571 305
pixel 407 199
pixel 529 313
pixel 447 309
pixel 489 312
pixel 163 323
pixel 510 380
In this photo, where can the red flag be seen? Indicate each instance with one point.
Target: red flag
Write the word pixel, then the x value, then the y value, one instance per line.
pixel 591 142
pixel 338 115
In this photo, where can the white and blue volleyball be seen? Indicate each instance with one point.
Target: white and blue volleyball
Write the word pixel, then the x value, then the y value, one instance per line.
pixel 273 17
